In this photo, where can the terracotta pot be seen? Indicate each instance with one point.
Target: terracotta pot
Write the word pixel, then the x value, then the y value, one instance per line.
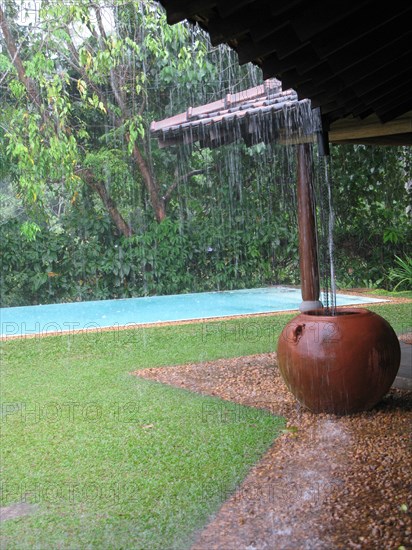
pixel 339 364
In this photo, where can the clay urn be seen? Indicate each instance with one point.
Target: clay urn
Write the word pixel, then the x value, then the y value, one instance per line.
pixel 339 364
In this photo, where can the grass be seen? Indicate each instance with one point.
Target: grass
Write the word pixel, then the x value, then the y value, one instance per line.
pixel 399 315
pixel 115 461
pixel 396 294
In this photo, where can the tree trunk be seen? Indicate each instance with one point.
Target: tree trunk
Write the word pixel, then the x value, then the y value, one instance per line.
pixel 157 201
pixel 108 202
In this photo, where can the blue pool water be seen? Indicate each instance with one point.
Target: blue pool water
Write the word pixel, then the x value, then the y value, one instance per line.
pixel 115 313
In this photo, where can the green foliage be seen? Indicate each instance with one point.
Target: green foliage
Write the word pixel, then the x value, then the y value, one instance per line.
pixel 84 261
pixel 372 221
pixel 217 236
pixel 402 273
pixel 88 76
pixel 230 225
pixel 30 230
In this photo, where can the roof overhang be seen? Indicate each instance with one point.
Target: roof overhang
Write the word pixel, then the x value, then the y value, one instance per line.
pixel 351 59
pixel 267 113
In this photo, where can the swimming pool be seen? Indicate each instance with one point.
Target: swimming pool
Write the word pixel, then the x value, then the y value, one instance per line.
pixel 70 317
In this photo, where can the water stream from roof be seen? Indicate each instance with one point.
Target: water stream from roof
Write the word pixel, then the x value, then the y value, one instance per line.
pixel 271 132
pixel 323 197
pixel 331 224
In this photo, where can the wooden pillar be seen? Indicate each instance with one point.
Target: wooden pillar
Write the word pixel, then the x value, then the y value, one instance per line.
pixel 308 253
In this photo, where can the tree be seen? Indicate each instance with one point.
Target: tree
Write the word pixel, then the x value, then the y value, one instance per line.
pixel 77 98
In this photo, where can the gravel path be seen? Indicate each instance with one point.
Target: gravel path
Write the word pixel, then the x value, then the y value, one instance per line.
pixel 326 483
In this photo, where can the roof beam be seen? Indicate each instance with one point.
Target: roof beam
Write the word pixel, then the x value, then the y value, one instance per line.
pixel 179 10
pixel 352 129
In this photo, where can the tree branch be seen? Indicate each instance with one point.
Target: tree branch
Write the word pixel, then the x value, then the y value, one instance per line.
pixel 152 186
pixel 16 60
pixel 99 20
pixel 119 97
pixel 172 187
pixel 78 67
pixel 111 207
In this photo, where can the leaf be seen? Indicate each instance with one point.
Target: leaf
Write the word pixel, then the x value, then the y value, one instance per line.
pixel 81 86
pixel 30 230
pixel 291 430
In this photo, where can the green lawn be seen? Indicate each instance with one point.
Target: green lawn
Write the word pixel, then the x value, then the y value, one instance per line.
pixel 398 294
pixel 115 461
pixel 398 315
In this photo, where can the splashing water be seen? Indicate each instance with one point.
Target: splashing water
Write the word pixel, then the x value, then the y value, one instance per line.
pixel 331 225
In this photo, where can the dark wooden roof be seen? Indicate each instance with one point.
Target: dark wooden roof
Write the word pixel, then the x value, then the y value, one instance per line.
pixel 351 59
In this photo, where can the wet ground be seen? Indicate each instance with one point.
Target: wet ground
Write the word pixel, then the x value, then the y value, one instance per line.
pixel 326 483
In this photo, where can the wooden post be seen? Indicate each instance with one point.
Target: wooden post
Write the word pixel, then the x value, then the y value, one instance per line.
pixel 308 254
